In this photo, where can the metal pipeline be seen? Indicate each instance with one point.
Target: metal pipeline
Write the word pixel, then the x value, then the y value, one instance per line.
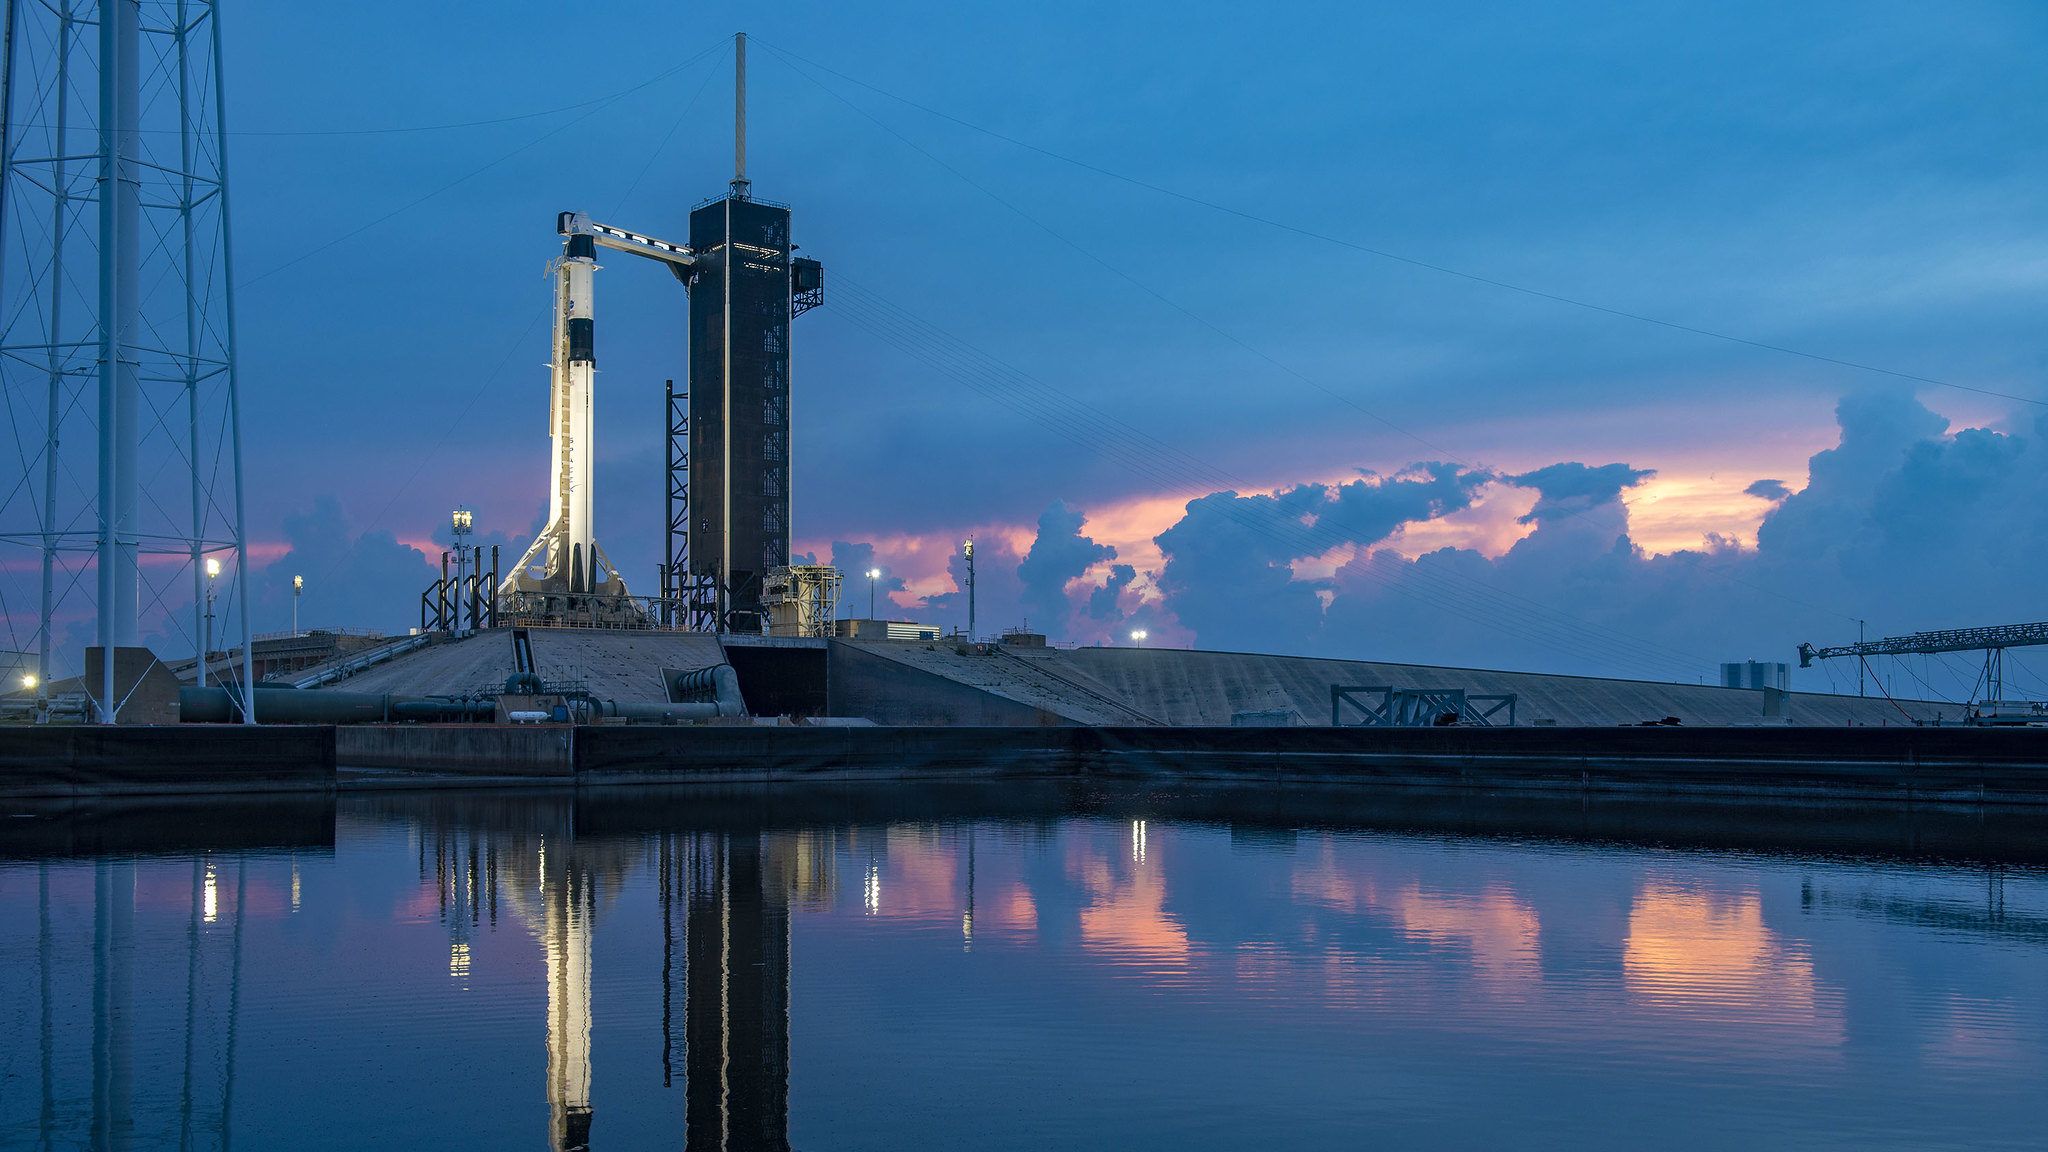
pixel 653 710
pixel 293 706
pixel 718 684
pixel 702 694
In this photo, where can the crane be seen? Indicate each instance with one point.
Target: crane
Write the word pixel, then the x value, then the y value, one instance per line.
pixel 1992 641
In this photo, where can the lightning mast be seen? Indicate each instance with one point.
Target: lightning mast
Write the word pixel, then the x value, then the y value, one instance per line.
pixel 117 313
pixel 746 289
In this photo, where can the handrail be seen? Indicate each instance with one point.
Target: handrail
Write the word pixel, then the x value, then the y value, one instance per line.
pixel 361 660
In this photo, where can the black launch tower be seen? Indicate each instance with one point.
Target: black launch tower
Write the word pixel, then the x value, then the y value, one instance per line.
pixel 729 443
pixel 746 288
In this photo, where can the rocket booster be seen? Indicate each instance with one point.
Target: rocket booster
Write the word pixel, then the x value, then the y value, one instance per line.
pixel 575 383
pixel 569 544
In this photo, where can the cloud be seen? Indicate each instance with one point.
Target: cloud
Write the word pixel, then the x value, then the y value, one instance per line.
pixel 1059 555
pixel 1230 560
pixel 1104 600
pixel 1572 489
pixel 855 559
pixel 1903 524
pixel 356 579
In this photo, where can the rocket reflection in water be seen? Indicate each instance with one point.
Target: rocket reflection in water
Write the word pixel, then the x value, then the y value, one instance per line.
pixel 725 923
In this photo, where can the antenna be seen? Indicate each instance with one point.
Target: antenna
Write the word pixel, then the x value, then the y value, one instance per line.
pixel 740 184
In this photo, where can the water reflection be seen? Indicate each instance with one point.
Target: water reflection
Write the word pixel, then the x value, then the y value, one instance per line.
pixel 723 901
pixel 1126 918
pixel 1709 956
pixel 591 972
pixel 1498 929
pixel 98 979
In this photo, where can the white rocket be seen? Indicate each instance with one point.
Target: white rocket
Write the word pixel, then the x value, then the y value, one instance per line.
pixel 574 562
pixel 569 420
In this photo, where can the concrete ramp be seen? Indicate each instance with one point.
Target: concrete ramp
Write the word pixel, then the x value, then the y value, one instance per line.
pixel 1190 687
pixel 939 683
pixel 611 665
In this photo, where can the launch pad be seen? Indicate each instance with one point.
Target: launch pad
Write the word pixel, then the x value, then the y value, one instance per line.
pixel 727 490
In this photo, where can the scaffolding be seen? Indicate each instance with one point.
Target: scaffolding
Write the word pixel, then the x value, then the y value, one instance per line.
pixel 801 599
pixel 1384 706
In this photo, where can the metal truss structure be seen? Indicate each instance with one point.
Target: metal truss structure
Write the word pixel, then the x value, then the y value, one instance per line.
pixel 692 598
pixel 123 512
pixel 1992 641
pixel 465 602
pixel 1420 707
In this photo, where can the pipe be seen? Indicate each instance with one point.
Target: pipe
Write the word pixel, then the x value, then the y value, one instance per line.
pixel 718 683
pixel 292 706
pixel 646 710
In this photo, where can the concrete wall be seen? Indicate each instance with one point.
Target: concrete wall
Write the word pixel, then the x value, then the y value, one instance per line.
pixel 466 750
pixel 720 753
pixel 90 760
pixel 1957 765
pixel 145 690
pixel 1949 765
pixel 863 683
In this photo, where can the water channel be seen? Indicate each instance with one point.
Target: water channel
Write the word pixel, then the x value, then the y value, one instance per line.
pixel 1018 967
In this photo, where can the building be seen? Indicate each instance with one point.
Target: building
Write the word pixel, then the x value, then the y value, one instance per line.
pixel 801 599
pixel 902 630
pixel 1757 674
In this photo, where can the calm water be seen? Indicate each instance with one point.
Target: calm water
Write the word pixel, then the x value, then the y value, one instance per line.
pixel 885 970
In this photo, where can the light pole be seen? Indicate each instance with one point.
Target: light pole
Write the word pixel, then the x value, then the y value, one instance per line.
pixel 461 523
pixel 967 550
pixel 1138 636
pixel 874 574
pixel 298 586
pixel 33 683
pixel 206 651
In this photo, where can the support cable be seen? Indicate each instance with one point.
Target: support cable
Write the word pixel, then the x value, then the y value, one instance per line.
pixel 1385 254
pixel 475 172
pixel 516 345
pixel 1146 288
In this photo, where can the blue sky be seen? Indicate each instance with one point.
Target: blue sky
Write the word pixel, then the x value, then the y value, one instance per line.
pixel 1856 180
